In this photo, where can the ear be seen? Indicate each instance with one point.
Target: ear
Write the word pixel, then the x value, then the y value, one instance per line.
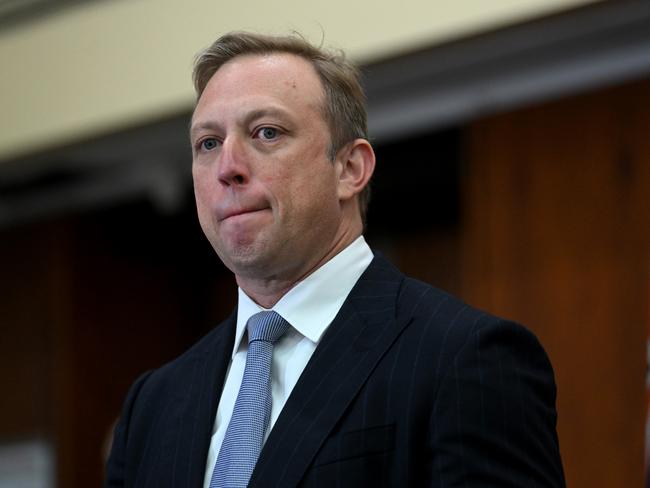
pixel 355 164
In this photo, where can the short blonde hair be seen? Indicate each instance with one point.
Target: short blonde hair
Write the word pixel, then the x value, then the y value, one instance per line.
pixel 344 108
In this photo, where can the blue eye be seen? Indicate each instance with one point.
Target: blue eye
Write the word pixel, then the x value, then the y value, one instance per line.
pixel 267 133
pixel 208 144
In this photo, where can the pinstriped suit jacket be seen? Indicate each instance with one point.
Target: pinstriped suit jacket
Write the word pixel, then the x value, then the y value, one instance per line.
pixel 408 387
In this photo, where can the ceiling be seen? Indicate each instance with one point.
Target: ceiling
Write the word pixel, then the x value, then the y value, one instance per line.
pixel 444 86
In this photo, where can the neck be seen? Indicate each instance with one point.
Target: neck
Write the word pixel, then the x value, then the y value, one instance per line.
pixel 268 291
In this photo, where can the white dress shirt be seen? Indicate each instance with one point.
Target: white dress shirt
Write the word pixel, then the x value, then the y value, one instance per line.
pixel 309 307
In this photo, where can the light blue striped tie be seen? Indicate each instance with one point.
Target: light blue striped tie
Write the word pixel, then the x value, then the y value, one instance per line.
pixel 250 418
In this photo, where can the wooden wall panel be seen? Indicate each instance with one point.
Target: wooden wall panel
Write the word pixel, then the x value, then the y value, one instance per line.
pixel 137 299
pixel 88 304
pixel 26 314
pixel 556 234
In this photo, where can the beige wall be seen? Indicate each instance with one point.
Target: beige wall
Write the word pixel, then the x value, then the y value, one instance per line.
pixel 111 64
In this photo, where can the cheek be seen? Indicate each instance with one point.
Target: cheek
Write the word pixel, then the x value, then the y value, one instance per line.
pixel 202 198
pixel 202 188
pixel 315 194
pixel 201 204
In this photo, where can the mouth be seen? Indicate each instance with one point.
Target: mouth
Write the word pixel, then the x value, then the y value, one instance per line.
pixel 241 212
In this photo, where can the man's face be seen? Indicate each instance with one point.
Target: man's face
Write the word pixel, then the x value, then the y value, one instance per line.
pixel 266 192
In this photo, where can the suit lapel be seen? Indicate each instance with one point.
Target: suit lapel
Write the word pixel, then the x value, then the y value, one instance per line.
pixel 195 408
pixel 356 340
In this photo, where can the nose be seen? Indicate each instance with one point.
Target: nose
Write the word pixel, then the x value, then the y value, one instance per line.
pixel 233 169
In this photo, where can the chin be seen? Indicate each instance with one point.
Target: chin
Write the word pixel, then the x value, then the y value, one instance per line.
pixel 251 260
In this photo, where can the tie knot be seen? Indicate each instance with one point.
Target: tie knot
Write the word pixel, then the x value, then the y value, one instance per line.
pixel 266 326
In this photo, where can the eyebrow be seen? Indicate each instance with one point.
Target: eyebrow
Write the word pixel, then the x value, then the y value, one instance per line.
pixel 248 118
pixel 208 124
pixel 264 112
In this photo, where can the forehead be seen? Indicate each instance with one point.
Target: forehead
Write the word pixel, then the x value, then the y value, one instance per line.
pixel 254 79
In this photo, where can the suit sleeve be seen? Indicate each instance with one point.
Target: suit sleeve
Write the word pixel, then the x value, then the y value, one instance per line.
pixel 117 460
pixel 494 418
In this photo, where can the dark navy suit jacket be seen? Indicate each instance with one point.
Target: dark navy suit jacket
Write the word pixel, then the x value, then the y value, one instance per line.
pixel 408 387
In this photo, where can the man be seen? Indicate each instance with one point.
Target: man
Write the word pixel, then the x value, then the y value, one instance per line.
pixel 371 378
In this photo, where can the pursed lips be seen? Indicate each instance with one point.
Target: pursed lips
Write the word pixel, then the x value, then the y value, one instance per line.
pixel 234 212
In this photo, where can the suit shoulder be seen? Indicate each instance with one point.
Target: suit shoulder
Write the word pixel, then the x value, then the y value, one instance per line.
pixel 421 304
pixel 450 319
pixel 422 301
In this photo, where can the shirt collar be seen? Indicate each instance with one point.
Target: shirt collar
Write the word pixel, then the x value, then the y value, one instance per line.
pixel 311 305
